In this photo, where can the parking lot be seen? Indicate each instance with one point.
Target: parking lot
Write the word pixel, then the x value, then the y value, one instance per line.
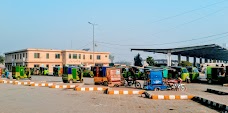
pixel 27 99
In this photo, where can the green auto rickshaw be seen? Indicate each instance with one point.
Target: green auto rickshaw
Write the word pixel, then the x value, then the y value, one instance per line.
pixel 57 71
pixel 72 74
pixel 138 72
pixel 193 73
pixel 182 72
pixel 19 72
pixel 43 71
pixel 87 72
pixel 216 74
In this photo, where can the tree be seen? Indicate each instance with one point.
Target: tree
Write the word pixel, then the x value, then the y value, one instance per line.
pixel 2 59
pixel 185 63
pixel 138 60
pixel 111 58
pixel 150 61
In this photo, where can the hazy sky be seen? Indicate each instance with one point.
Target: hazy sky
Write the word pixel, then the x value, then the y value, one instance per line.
pixel 122 24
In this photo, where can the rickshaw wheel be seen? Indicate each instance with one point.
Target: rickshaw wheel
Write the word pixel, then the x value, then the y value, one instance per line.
pixel 105 83
pixel 116 85
pixel 157 89
pixel 18 78
pixel 64 81
pixel 71 81
pixel 137 85
pixel 81 81
pixel 209 81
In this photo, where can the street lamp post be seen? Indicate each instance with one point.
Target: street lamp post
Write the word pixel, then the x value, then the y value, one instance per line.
pixel 93 24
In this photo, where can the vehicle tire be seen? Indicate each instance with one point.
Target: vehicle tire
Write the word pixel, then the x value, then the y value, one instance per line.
pixel 188 81
pixel 116 85
pixel 65 81
pixel 18 78
pixel 182 88
pixel 157 89
pixel 209 81
pixel 138 85
pixel 105 83
pixel 70 81
pixel 13 77
pixel 81 81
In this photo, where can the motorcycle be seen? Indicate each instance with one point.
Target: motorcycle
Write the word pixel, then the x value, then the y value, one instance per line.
pixel 176 85
pixel 132 81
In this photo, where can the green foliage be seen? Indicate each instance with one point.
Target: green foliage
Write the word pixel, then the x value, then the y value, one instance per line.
pixel 138 60
pixel 111 58
pixel 150 61
pixel 185 63
pixel 2 59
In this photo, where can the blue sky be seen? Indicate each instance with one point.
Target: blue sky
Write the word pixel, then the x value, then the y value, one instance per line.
pixel 122 24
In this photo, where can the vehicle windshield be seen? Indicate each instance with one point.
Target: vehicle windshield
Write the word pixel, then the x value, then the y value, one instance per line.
pixel 196 70
pixel 184 71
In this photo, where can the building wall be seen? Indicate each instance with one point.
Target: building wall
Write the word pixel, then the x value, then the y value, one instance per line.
pixel 38 57
pixel 104 57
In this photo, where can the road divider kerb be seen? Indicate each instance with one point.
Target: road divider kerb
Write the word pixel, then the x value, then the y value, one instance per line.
pixel 125 92
pixel 90 88
pixel 23 83
pixel 211 104
pixel 64 86
pixel 42 84
pixel 217 91
pixel 8 81
pixel 172 97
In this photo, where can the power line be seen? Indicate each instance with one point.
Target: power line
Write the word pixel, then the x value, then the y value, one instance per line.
pixel 167 42
pixel 186 12
pixel 181 25
pixel 85 45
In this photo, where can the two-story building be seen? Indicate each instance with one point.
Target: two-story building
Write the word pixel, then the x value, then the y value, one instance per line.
pixel 50 58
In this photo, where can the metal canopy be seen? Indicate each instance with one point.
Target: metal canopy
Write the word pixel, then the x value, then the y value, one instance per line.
pixel 211 51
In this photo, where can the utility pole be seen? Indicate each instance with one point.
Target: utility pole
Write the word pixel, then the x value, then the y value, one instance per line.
pixel 93 24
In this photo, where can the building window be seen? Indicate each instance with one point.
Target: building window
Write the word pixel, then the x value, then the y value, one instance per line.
pixel 83 56
pixel 79 56
pixel 15 56
pixel 26 55
pixel 36 65
pixel 69 56
pixel 20 56
pixel 106 56
pixel 47 55
pixel 47 66
pixel 57 65
pixel 57 56
pixel 23 55
pixel 74 56
pixel 91 57
pixel 98 57
pixel 36 55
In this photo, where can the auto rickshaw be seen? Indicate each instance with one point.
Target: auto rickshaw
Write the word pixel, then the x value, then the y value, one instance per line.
pixel 87 72
pixel 216 74
pixel 154 80
pixel 21 72
pixel 193 73
pixel 107 76
pixel 36 71
pixel 183 73
pixel 137 71
pixel 43 71
pixel 72 74
pixel 57 71
pixel 100 75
